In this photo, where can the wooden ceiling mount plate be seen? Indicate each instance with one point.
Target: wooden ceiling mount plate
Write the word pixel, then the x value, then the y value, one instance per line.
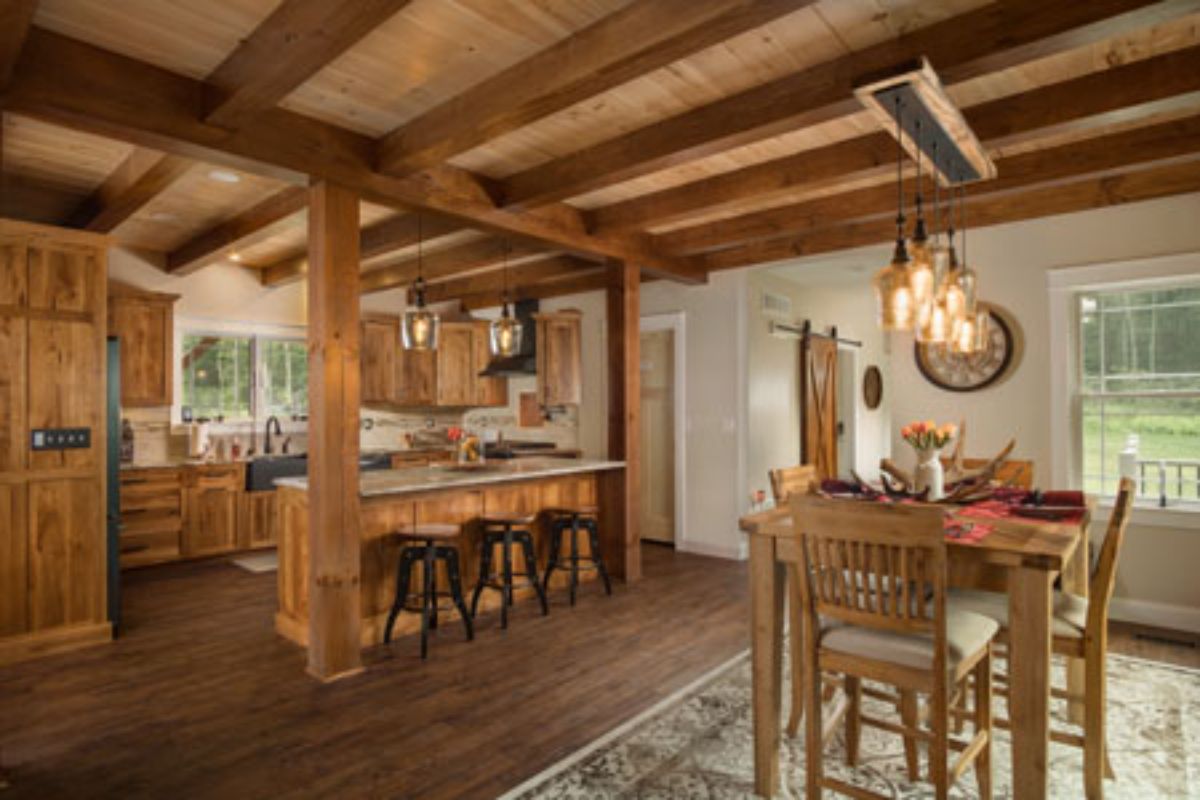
pixel 956 372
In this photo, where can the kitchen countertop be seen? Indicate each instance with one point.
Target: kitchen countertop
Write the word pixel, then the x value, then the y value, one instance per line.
pixel 424 479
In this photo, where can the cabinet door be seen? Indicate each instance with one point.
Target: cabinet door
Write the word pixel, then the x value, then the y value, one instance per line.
pixel 14 272
pixel 14 560
pixel 145 329
pixel 257 527
pixel 416 377
pixel 379 343
pixel 455 356
pixel 560 372
pixel 488 391
pixel 13 375
pixel 66 553
pixel 65 388
pixel 209 521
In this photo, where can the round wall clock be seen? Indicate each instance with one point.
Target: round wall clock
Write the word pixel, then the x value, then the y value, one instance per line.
pixel 957 372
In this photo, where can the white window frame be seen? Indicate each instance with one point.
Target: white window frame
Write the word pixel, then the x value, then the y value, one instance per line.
pixel 1064 286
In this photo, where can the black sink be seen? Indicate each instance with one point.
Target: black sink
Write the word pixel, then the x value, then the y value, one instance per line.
pixel 262 472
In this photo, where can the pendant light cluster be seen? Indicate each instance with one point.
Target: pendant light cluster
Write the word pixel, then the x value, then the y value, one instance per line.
pixel 926 289
pixel 505 334
pixel 420 327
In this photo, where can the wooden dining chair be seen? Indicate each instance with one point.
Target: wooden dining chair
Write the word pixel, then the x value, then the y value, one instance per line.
pixel 787 481
pixel 1080 630
pixel 874 601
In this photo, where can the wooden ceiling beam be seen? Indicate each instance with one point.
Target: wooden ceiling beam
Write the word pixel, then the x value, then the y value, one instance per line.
pixel 495 281
pixel 1099 98
pixel 81 86
pixel 451 262
pixel 1069 162
pixel 1000 35
pixel 640 38
pixel 1082 195
pixel 16 18
pixel 142 176
pixel 589 280
pixel 224 238
pixel 295 42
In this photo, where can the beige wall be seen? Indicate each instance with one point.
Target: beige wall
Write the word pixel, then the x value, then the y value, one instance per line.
pixel 1157 578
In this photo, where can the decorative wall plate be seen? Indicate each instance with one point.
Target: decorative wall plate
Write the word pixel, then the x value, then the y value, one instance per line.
pixel 955 372
pixel 872 387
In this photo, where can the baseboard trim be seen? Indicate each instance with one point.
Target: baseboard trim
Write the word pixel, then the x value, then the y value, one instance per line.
pixel 1158 615
pixel 52 641
pixel 737 552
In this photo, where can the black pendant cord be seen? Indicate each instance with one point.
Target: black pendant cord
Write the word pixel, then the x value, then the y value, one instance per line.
pixel 420 284
pixel 937 195
pixel 919 233
pixel 962 220
pixel 901 254
pixel 504 282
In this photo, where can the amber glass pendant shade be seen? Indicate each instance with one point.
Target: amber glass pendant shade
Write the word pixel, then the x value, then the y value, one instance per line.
pixel 935 327
pixel 505 335
pixel 893 294
pixel 420 327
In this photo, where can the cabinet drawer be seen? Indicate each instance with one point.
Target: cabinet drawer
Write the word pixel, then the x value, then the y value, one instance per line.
pixel 151 476
pixel 153 547
pixel 151 520
pixel 217 477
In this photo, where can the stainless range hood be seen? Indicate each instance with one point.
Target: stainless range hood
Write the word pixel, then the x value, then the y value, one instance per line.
pixel 525 361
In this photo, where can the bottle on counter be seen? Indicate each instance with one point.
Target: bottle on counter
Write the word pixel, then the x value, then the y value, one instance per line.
pixel 126 442
pixel 235 452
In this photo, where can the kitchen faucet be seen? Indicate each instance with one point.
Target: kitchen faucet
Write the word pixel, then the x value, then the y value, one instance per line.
pixel 267 438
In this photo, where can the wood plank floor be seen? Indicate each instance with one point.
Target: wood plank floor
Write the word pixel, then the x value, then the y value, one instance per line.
pixel 201 699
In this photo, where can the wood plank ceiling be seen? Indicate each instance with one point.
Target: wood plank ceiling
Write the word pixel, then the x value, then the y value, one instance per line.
pixel 685 136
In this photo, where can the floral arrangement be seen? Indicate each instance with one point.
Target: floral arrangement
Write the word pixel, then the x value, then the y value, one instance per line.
pixel 455 434
pixel 928 434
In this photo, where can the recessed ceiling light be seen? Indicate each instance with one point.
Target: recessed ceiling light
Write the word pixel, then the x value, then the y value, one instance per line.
pixel 235 256
pixel 224 176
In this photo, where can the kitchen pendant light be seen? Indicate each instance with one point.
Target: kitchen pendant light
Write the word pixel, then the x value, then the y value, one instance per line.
pixel 970 333
pixel 892 284
pixel 505 333
pixel 420 327
pixel 952 292
pixel 920 270
pixel 933 324
pixel 968 281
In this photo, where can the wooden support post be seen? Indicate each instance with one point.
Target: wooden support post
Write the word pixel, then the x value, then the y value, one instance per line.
pixel 333 399
pixel 623 488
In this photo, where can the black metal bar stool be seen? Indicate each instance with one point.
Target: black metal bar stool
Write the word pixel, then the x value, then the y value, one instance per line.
pixel 571 520
pixel 506 529
pixel 429 543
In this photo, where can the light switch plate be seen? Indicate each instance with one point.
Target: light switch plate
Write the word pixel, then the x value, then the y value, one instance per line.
pixel 61 439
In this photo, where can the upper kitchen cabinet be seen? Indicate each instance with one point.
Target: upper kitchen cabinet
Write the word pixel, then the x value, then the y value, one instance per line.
pixel 489 391
pixel 416 378
pixel 559 358
pixel 378 364
pixel 144 324
pixel 455 358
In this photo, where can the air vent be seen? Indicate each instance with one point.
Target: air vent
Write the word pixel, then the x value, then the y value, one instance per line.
pixel 776 305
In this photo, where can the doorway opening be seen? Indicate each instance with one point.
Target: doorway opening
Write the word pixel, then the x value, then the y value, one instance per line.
pixel 662 431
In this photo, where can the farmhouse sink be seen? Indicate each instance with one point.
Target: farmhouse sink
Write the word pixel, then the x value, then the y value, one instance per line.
pixel 263 471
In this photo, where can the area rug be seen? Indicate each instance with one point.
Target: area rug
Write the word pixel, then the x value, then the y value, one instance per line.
pixel 698 744
pixel 258 562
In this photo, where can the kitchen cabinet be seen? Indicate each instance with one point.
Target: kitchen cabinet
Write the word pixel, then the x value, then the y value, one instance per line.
pixel 455 357
pixel 559 358
pixel 378 348
pixel 210 509
pixel 151 516
pixel 52 528
pixel 393 377
pixel 144 323
pixel 256 525
pixel 488 391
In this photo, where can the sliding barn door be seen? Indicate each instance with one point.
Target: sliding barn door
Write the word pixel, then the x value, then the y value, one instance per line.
pixel 818 404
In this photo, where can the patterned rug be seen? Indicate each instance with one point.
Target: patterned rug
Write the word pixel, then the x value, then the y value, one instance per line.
pixel 698 744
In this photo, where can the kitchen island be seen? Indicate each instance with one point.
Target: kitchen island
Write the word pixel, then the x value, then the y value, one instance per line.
pixel 390 499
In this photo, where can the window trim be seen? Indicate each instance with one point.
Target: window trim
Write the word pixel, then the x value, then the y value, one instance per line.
pixel 1066 398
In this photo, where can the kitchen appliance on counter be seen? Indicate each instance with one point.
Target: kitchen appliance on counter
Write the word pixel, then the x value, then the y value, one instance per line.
pixel 524 449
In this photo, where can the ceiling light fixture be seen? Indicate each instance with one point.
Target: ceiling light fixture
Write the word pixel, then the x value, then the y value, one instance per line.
pixel 505 338
pixel 224 176
pixel 892 284
pixel 420 327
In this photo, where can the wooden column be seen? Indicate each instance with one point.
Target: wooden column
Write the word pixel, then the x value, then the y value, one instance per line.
pixel 622 488
pixel 334 539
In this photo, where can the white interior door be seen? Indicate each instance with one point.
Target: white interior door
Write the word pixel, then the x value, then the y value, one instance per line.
pixel 658 436
pixel 847 412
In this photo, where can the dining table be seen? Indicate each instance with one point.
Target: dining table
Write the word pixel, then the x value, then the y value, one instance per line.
pixel 1020 556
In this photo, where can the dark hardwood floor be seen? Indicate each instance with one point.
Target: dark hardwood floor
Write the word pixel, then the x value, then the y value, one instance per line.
pixel 201 699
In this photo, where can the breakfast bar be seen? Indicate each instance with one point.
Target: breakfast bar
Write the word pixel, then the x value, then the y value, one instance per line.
pixel 441 494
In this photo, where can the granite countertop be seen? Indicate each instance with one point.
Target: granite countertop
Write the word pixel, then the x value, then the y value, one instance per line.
pixel 424 479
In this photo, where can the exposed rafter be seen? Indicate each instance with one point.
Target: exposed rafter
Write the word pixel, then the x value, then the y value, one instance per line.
pixel 16 17
pixel 1000 35
pixel 82 86
pixel 495 281
pixel 1069 162
pixel 586 281
pixel 295 42
pixel 1142 87
pixel 640 38
pixel 142 176
pixel 1081 195
pixel 452 261
pixel 224 238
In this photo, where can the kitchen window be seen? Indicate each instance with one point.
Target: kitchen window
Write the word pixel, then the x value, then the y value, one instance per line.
pixel 1139 379
pixel 242 377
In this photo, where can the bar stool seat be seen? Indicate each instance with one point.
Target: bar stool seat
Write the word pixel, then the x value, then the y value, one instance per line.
pixel 426 544
pixel 572 519
pixel 507 528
